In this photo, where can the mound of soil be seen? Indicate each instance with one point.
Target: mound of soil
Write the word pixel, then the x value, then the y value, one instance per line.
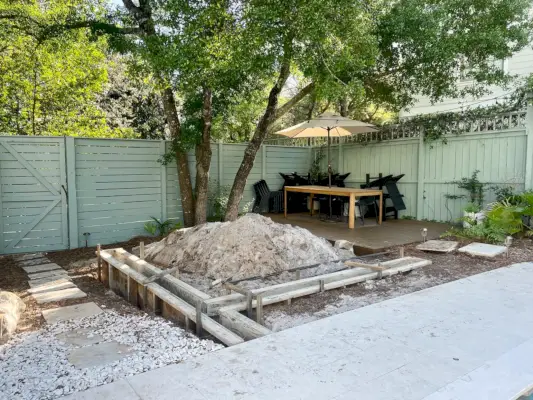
pixel 250 246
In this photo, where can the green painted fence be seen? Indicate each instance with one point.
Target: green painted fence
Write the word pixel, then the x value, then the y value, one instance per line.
pixel 59 193
pixel 501 148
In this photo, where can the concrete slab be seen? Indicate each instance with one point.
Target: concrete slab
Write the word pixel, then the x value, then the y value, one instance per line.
pixel 34 261
pixel 59 295
pixel 118 390
pixel 35 283
pixel 71 312
pixel 28 256
pixel 80 337
pixel 98 354
pixel 58 274
pixel 373 352
pixel 483 250
pixel 438 246
pixel 32 269
pixel 52 286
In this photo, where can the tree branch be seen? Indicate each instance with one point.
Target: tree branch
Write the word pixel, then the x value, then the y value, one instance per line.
pixel 282 110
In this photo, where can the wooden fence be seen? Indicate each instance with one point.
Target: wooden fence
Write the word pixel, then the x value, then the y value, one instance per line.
pixel 59 193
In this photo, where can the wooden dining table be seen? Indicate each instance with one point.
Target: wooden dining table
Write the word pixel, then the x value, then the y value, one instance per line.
pixel 352 193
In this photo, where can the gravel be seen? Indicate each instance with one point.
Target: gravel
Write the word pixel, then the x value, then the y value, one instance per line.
pixel 35 364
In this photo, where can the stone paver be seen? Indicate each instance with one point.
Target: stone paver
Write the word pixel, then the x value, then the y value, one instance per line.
pixel 34 261
pixel 71 312
pixel 29 256
pixel 438 246
pixel 80 337
pixel 471 338
pixel 32 269
pixel 98 354
pixel 483 250
pixel 34 283
pixel 58 274
pixel 51 286
pixel 59 295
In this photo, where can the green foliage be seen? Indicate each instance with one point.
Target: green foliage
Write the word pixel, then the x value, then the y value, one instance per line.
pixel 472 208
pixel 505 218
pixel 475 188
pixel 161 228
pixel 408 217
pixel 315 172
pixel 218 200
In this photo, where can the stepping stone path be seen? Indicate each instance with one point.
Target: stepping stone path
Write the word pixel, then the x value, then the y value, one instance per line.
pixel 48 281
pixel 483 250
pixel 438 246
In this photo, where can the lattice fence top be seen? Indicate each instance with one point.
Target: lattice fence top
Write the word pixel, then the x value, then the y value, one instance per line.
pixel 409 130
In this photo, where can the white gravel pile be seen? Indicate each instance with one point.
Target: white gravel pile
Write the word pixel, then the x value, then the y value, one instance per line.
pixel 253 245
pixel 34 365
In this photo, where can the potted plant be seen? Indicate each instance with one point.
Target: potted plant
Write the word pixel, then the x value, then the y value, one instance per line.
pixel 472 215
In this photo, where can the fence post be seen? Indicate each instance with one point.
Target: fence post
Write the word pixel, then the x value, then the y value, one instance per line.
pixel 220 165
pixel 528 184
pixel 263 161
pixel 163 150
pixel 70 156
pixel 420 178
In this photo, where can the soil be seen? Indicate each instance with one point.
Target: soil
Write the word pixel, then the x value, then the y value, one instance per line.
pixel 445 268
pixel 81 267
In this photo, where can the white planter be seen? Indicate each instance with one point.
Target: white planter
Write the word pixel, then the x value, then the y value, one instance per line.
pixel 478 217
pixel 316 204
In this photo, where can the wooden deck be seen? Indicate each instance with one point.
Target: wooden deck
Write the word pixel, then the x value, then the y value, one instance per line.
pixel 368 238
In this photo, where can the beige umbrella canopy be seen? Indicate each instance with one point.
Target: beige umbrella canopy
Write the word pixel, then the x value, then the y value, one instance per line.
pixel 327 125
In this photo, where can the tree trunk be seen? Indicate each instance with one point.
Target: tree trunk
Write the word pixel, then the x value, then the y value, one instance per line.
pixel 203 160
pixel 184 176
pixel 237 190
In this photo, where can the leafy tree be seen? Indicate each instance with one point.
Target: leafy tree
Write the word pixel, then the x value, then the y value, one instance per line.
pixel 48 87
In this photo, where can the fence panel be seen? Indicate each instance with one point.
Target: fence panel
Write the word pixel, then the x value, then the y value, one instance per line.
pixel 33 202
pixel 118 188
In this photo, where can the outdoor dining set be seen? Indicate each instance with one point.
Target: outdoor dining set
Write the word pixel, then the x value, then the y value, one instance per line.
pixel 378 197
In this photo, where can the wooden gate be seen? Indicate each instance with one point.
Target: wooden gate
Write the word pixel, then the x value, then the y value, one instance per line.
pixel 33 198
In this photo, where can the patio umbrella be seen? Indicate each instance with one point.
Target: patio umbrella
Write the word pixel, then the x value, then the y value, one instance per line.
pixel 327 125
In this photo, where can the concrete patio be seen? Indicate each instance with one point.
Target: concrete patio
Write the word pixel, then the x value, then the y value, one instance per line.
pixel 471 338
pixel 370 237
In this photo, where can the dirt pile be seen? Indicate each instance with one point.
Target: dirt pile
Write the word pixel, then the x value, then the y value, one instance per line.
pixel 251 246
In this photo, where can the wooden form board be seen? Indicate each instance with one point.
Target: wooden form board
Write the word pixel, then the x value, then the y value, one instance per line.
pixel 130 283
pixel 172 297
pixel 304 287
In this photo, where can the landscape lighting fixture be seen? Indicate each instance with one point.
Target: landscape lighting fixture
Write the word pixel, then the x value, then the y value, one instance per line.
pixel 424 232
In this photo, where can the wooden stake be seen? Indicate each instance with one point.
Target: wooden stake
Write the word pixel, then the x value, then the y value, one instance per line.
pixel 187 324
pixel 199 319
pixel 141 250
pixel 1 325
pixel 99 262
pixel 298 275
pixel 128 288
pixel 110 276
pixel 259 309
pixel 321 285
pixel 402 252
pixel 249 307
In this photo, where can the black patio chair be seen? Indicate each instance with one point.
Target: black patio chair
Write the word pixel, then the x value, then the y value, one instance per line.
pixel 370 204
pixel 339 180
pixel 266 200
pixel 395 196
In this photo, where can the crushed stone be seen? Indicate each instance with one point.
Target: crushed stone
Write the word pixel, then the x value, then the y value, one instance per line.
pixel 35 364
pixel 253 245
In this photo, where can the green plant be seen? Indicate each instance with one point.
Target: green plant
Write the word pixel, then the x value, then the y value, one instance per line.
pixel 475 188
pixel 502 192
pixel 161 228
pixel 315 173
pixel 472 208
pixel 408 217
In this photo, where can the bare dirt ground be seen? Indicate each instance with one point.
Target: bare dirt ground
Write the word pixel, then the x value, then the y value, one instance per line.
pixel 445 268
pixel 83 274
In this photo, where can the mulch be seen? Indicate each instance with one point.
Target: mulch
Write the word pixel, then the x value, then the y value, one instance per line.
pixel 444 268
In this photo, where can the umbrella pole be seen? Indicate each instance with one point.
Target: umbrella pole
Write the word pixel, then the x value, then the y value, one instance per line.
pixel 329 172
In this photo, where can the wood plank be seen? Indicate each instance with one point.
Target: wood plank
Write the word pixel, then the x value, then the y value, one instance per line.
pixel 214 328
pixel 242 325
pixel 307 286
pixel 176 286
